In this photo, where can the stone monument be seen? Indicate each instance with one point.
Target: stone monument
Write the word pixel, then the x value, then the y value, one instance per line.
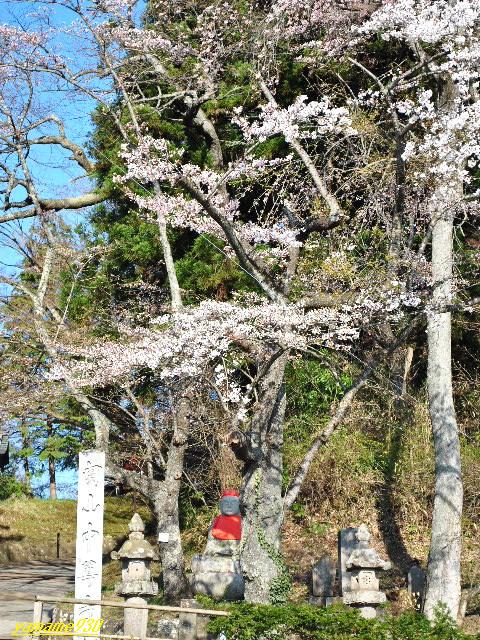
pixel 323 579
pixel 90 501
pixel 216 573
pixel 364 588
pixel 136 555
pixel 416 584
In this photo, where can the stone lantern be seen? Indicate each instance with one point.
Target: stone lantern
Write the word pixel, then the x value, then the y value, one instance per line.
pixel 136 556
pixel 362 564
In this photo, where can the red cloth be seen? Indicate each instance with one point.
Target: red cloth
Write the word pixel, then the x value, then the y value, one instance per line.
pixel 231 492
pixel 227 528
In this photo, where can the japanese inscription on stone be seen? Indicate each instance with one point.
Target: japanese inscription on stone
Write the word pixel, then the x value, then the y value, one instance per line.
pixel 88 568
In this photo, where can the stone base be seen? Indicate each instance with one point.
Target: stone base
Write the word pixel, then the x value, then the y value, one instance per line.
pixel 214 564
pixel 364 597
pixel 219 586
pixel 317 601
pixel 137 587
pixel 331 600
pixel 216 547
pixel 135 620
pixel 369 613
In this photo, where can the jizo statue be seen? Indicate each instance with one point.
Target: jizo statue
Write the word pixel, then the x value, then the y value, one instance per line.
pixel 216 573
pixel 228 525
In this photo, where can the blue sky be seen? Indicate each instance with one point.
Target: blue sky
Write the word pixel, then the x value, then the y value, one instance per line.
pixel 54 175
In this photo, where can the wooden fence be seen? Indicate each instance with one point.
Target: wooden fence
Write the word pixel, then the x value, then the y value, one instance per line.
pixel 191 629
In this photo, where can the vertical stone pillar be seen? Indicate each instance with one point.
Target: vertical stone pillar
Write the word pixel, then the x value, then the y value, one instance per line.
pixel 90 502
pixel 135 621
pixel 192 626
pixel 347 542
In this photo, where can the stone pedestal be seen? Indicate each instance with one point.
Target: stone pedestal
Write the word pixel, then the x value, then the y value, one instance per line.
pixel 135 620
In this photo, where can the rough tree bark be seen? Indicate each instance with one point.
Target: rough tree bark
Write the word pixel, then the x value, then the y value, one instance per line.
pixel 166 507
pixel 262 500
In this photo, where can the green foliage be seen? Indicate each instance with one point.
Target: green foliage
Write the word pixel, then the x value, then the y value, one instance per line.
pixel 206 271
pixel 10 486
pixel 255 622
pixel 280 586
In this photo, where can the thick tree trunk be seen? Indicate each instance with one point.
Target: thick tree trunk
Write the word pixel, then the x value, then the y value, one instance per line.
pixel 166 507
pixel 443 571
pixel 170 550
pixel 266 579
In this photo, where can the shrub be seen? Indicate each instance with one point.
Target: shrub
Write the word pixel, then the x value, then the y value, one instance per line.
pixel 260 622
pixel 10 486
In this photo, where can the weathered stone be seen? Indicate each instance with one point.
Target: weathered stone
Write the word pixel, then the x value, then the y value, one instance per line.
pixel 135 620
pixel 369 613
pixel 323 577
pixel 88 567
pixel 364 580
pixel 347 541
pixel 136 524
pixel 333 600
pixel 136 555
pixel 191 626
pixel 216 547
pixel 109 544
pixel 215 564
pixel 367 559
pixel 168 629
pixel 416 580
pixel 219 586
pixel 364 597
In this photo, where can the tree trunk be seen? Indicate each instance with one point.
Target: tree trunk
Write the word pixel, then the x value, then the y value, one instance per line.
pixel 51 465
pixel 443 570
pixel 266 578
pixel 166 508
pixel 51 474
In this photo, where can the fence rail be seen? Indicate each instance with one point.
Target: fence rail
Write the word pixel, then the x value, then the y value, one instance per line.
pixel 39 600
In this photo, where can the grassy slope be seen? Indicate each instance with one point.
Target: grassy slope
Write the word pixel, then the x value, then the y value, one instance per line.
pixel 34 523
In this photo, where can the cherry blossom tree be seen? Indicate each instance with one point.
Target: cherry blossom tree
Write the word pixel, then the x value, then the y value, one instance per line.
pixel 281 170
pixel 442 151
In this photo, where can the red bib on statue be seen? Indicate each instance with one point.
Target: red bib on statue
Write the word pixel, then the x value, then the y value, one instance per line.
pixel 227 528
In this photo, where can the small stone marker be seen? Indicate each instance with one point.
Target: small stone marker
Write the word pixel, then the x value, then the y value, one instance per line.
pixel 416 583
pixel 323 578
pixel 192 626
pixel 90 501
pixel 347 541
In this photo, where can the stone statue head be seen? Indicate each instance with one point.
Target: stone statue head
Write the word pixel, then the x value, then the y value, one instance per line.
pixel 230 503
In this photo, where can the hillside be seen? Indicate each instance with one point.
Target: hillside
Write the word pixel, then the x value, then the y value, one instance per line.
pixel 29 527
